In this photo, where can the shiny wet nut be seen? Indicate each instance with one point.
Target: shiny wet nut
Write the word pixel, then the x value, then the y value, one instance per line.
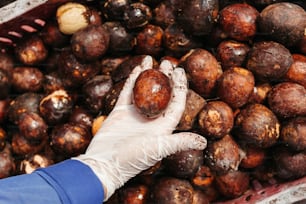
pixel 232 53
pixel 24 103
pixel 152 93
pixel 56 107
pixel 31 51
pixel 70 139
pixel 90 43
pixel 183 164
pixel 238 21
pixel 136 193
pixel 94 92
pixel 33 127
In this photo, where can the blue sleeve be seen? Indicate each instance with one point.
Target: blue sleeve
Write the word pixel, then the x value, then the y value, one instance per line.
pixel 68 182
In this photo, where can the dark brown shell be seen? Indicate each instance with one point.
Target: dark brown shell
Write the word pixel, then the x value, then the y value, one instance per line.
pixel 268 60
pixel 287 100
pixel 257 125
pixel 284 22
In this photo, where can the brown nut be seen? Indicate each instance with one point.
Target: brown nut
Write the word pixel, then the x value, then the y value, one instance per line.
pixel 233 183
pixel 297 71
pixel 31 51
pixel 176 42
pixel 112 96
pixel 52 36
pixel 287 100
pixel 194 104
pixel 149 41
pixel 6 62
pixel 164 14
pixel 268 60
pixel 24 103
pixel 74 71
pixel 152 93
pixel 235 86
pixel 183 164
pixel 290 164
pixel 94 92
pixel 27 79
pixel 231 53
pixel 257 125
pixel 121 41
pixel 203 71
pixel 293 133
pixel 4 105
pixel 137 15
pixel 238 21
pixel 170 190
pixel 216 119
pixel 33 127
pixel 254 157
pixel 90 43
pixel 22 146
pixel 200 197
pixel 81 116
pixel 198 17
pixel 56 107
pixel 223 155
pixel 284 22
pixel 70 139
pixel 136 193
pixel 7 162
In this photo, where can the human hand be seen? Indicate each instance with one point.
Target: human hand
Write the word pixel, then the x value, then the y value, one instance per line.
pixel 128 143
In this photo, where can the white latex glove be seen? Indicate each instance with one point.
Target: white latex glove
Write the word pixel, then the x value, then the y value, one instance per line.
pixel 128 143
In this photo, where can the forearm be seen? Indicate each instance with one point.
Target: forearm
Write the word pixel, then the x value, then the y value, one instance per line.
pixel 68 182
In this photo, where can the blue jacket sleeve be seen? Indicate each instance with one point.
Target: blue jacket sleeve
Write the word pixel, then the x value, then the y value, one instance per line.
pixel 68 182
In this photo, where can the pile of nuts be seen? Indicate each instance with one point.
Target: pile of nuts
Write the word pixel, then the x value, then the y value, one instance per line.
pixel 246 65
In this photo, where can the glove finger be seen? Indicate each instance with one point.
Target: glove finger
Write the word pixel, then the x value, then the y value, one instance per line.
pixel 125 97
pixel 177 104
pixel 166 67
pixel 180 142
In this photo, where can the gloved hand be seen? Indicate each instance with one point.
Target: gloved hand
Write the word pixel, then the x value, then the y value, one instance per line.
pixel 128 143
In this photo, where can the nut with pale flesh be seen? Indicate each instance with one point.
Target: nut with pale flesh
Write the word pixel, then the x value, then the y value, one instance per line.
pixel 71 17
